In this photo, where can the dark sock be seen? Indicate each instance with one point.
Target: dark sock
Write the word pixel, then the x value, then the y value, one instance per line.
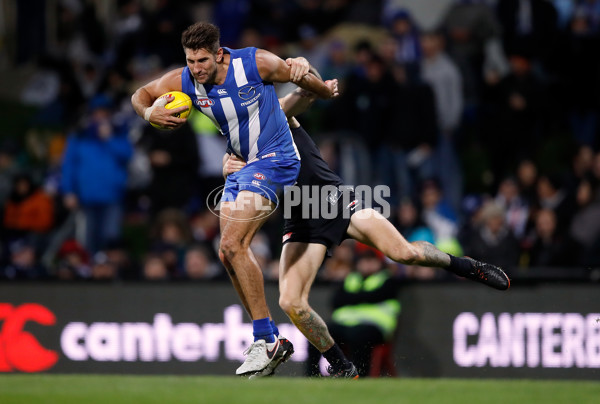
pixel 460 266
pixel 336 358
pixel 262 330
pixel 275 329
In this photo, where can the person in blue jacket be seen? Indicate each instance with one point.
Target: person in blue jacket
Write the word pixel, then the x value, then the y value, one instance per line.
pixel 94 174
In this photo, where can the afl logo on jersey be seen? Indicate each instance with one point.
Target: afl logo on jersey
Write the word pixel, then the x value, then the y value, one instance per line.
pixel 259 176
pixel 245 93
pixel 204 102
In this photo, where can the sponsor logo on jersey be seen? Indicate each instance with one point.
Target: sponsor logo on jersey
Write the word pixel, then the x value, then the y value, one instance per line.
pixel 286 237
pixel 257 183
pixel 334 197
pixel 247 92
pixel 259 176
pixel 352 205
pixel 204 102
pixel 222 91
pixel 266 156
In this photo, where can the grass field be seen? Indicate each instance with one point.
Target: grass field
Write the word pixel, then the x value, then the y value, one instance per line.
pixel 86 389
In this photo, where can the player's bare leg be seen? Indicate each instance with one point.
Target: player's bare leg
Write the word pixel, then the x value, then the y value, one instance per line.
pixel 239 223
pixel 244 218
pixel 225 213
pixel 299 264
pixel 370 227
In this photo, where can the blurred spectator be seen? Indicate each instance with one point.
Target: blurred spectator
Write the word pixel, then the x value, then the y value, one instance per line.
pixel 404 29
pixel 210 147
pixel 529 26
pixel 552 195
pixel 117 253
pixel 200 264
pixel 163 28
pixel 23 262
pixel 517 209
pixel 440 72
pixel 103 269
pixel 590 9
pixel 128 32
pixel 585 226
pixel 73 262
pixel 8 167
pixel 549 247
pixel 170 236
pixel 336 64
pixel 470 25
pixel 205 226
pixel 405 157
pixel 365 312
pixel 367 102
pixel 174 162
pixel 28 209
pixel 172 227
pixel 339 265
pixel 527 174
pixel 580 66
pixel 155 269
pixel 437 214
pixel 262 252
pixel 411 225
pixel 513 122
pixel 494 241
pixel 95 174
pixel 581 168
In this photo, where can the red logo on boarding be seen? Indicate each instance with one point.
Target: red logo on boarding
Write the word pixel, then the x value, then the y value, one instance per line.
pixel 259 176
pixel 20 350
pixel 204 102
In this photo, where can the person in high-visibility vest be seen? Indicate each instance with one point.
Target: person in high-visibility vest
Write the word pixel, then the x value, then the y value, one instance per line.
pixel 366 310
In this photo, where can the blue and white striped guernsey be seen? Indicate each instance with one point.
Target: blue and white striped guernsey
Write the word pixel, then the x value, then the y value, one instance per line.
pixel 245 109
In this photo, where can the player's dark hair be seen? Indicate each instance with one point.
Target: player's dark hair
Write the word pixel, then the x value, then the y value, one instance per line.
pixel 201 35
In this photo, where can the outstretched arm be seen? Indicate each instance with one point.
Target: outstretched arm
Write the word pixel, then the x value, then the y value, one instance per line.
pixel 274 69
pixel 144 98
pixel 299 100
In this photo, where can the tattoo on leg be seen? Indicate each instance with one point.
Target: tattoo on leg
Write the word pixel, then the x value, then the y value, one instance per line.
pixel 430 256
pixel 314 328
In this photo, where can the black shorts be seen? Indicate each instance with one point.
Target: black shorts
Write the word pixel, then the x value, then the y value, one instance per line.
pixel 323 230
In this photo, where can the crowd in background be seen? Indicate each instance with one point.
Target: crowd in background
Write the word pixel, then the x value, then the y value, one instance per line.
pixel 485 128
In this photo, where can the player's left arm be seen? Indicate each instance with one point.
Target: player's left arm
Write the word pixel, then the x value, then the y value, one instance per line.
pixel 274 69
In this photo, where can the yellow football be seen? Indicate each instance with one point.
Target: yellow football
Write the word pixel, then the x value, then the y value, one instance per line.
pixel 181 99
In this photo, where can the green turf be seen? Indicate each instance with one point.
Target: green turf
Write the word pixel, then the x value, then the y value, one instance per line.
pixel 86 389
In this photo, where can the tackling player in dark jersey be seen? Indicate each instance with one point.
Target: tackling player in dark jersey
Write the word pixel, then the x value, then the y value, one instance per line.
pixel 306 242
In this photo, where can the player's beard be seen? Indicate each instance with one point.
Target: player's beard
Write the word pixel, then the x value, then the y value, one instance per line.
pixel 209 78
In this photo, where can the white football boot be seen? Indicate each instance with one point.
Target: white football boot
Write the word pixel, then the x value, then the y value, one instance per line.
pixel 259 355
pixel 285 351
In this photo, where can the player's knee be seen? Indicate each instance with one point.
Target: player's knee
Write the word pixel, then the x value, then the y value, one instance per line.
pixel 223 258
pixel 228 248
pixel 406 254
pixel 291 305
